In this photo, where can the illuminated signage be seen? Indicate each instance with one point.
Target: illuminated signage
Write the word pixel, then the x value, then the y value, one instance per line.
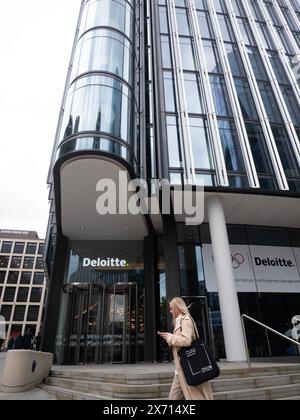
pixel 104 263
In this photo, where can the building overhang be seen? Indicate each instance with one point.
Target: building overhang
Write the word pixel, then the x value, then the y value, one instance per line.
pixel 260 210
pixel 76 197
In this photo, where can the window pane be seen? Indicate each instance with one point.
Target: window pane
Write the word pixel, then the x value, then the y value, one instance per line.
pixel 4 261
pixel 6 247
pixel 19 313
pixel 31 248
pixel 33 313
pixel 192 91
pixel 36 294
pixel 169 92
pixel 39 265
pixel 16 262
pixel 28 262
pixel 25 277
pixel 13 277
pixel 22 294
pixel 200 143
pixel 245 98
pixel 41 249
pixel 173 143
pixel 221 100
pixel 9 294
pixel 6 312
pixel 2 277
pixel 231 147
pixel 38 278
pixel 19 248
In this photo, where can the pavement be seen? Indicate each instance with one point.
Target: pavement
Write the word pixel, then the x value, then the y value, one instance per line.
pixel 34 394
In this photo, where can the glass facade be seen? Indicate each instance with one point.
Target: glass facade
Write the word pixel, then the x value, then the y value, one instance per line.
pixel 195 285
pixel 244 63
pixel 100 107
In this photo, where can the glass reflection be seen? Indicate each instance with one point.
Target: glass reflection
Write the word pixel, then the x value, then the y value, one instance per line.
pixel 104 50
pixel 109 13
pixel 98 103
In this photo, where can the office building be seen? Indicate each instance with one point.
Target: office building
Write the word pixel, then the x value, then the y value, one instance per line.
pixel 190 91
pixel 22 282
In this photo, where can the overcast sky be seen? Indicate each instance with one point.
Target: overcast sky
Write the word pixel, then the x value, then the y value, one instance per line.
pixel 36 38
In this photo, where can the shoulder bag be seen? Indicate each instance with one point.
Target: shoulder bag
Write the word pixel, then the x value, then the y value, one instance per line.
pixel 197 362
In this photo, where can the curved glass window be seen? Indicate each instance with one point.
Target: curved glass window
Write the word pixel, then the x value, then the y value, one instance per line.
pixel 104 50
pixel 99 104
pixel 97 144
pixel 117 14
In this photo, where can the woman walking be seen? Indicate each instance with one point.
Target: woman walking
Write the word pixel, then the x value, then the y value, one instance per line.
pixel 183 335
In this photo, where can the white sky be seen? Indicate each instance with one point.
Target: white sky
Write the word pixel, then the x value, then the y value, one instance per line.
pixel 36 37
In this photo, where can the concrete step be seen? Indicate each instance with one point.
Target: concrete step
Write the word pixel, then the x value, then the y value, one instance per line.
pixel 119 391
pixel 66 394
pixel 290 399
pixel 222 385
pixel 259 371
pixel 270 393
pixel 115 378
pixel 138 383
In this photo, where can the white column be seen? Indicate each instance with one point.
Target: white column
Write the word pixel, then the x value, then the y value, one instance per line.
pixel 230 312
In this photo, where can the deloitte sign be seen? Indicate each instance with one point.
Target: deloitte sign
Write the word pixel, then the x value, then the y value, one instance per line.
pixel 104 263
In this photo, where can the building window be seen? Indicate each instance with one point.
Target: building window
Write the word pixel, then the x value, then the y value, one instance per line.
pixel 41 249
pixel 101 104
pixel 36 294
pixel 38 278
pixel 39 264
pixel 19 313
pixel 2 276
pixel 25 277
pixel 6 247
pixel 9 294
pixel 4 261
pixel 33 313
pixel 22 294
pixel 16 330
pixel 200 143
pixel 31 248
pixel 13 277
pixel 173 143
pixel 6 312
pixel 16 262
pixel 19 247
pixel 28 262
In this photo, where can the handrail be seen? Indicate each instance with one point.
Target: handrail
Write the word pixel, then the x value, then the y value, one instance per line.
pixel 267 328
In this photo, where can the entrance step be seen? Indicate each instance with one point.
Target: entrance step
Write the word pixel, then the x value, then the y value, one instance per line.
pixel 151 382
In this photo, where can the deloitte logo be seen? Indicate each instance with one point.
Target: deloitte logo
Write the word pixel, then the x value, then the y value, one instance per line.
pixel 104 263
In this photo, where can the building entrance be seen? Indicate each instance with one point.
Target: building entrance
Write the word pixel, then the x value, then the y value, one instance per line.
pixel 101 324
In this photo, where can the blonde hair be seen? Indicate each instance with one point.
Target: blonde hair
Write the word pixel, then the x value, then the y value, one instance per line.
pixel 180 304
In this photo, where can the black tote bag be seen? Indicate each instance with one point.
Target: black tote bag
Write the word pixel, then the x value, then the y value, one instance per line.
pixel 198 362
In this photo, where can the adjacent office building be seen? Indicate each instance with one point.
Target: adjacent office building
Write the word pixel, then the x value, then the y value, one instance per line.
pixel 22 282
pixel 190 91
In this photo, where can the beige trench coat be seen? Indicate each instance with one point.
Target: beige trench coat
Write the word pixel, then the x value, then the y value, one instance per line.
pixel 183 335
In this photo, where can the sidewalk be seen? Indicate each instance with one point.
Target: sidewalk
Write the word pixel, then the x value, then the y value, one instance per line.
pixel 34 394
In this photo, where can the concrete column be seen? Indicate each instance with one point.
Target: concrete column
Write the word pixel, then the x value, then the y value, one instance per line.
pixel 230 312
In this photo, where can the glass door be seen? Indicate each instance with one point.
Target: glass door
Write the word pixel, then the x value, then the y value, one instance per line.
pixel 199 312
pixel 120 324
pixel 83 335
